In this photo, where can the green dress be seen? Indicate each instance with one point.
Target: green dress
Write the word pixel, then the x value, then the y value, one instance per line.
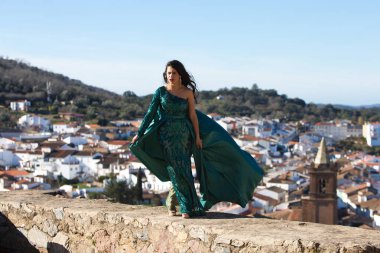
pixel 167 141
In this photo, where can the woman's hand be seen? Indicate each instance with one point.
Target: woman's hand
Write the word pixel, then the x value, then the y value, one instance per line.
pixel 135 138
pixel 198 142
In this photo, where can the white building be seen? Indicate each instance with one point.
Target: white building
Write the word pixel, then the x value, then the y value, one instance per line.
pixel 88 161
pixel 214 116
pixel 376 219
pixel 70 168
pixel 286 185
pixel 75 140
pixel 371 131
pixel 6 143
pixel 266 203
pixel 20 105
pixel 348 196
pixel 29 160
pixel 8 159
pixel 116 145
pixel 228 123
pixel 63 128
pixel 274 192
pixel 34 121
pixel 337 131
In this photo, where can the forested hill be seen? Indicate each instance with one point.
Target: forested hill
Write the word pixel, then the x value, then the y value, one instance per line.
pixel 19 80
pixel 268 103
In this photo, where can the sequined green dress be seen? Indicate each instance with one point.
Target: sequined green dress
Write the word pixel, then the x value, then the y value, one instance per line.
pixel 166 143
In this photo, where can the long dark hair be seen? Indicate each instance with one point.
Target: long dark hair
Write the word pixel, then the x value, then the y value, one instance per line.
pixel 186 78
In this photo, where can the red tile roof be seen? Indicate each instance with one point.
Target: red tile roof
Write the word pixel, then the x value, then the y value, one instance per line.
pixel 117 142
pixel 15 173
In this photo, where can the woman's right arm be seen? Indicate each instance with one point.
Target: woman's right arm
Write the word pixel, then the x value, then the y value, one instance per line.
pixel 151 113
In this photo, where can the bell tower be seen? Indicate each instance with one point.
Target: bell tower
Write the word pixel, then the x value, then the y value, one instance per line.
pixel 321 204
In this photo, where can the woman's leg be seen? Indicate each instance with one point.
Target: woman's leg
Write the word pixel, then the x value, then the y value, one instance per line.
pixel 171 201
pixel 176 143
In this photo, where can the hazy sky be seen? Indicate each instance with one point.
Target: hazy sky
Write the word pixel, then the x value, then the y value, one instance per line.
pixel 321 51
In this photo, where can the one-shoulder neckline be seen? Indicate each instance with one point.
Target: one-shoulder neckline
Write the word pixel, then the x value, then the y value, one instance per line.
pixel 184 99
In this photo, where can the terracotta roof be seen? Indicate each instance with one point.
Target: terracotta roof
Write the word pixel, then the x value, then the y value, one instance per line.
pixel 84 153
pixel 356 188
pixel 323 124
pixel 117 142
pixel 92 125
pixel 15 173
pixel 276 189
pixel 249 138
pixel 62 153
pixel 266 198
pixel 373 204
pixel 52 144
pixel 280 181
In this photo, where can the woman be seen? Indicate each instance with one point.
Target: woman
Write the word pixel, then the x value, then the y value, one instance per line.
pixel 170 133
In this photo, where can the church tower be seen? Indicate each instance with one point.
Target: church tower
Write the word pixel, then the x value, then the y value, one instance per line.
pixel 321 204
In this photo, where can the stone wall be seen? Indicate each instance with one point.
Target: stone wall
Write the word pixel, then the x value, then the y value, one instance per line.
pixel 54 224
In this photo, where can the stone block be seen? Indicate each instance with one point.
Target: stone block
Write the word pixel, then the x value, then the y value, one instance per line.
pixel 59 213
pixel 37 237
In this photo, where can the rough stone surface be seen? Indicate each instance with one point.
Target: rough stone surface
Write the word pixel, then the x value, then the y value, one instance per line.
pixel 38 237
pixel 54 224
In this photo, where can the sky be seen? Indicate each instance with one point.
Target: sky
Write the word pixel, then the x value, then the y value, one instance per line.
pixel 320 51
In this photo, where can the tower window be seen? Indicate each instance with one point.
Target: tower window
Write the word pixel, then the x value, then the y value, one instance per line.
pixel 322 185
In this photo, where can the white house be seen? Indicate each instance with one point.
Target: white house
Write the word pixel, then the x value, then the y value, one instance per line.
pixel 20 105
pixel 76 140
pixel 274 192
pixel 62 128
pixel 29 159
pixel 8 159
pixel 266 203
pixel 70 168
pixel 6 143
pixel 348 196
pixel 371 131
pixel 337 130
pixel 115 145
pixel 154 184
pixel 88 161
pixel 25 185
pixel 376 219
pixel 286 185
pixel 34 121
pixel 125 175
pixel 228 123
pixel 214 116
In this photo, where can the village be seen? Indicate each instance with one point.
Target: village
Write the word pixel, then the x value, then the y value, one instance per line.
pixel 77 158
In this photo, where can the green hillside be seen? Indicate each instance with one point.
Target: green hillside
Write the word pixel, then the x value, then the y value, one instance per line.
pixel 19 80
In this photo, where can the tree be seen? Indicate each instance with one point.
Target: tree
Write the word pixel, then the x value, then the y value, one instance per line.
pixel 129 93
pixel 139 190
pixel 120 191
pixel 103 122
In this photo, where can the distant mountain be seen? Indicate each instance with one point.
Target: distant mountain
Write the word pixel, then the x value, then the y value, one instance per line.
pixel 19 80
pixel 351 107
pixel 369 106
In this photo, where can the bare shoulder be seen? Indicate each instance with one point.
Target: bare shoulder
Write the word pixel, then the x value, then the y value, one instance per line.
pixel 188 92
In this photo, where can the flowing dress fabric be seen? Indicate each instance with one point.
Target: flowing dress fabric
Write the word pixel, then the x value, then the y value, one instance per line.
pixel 166 142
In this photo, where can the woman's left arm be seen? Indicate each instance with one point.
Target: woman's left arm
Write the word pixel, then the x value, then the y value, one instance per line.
pixel 194 119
